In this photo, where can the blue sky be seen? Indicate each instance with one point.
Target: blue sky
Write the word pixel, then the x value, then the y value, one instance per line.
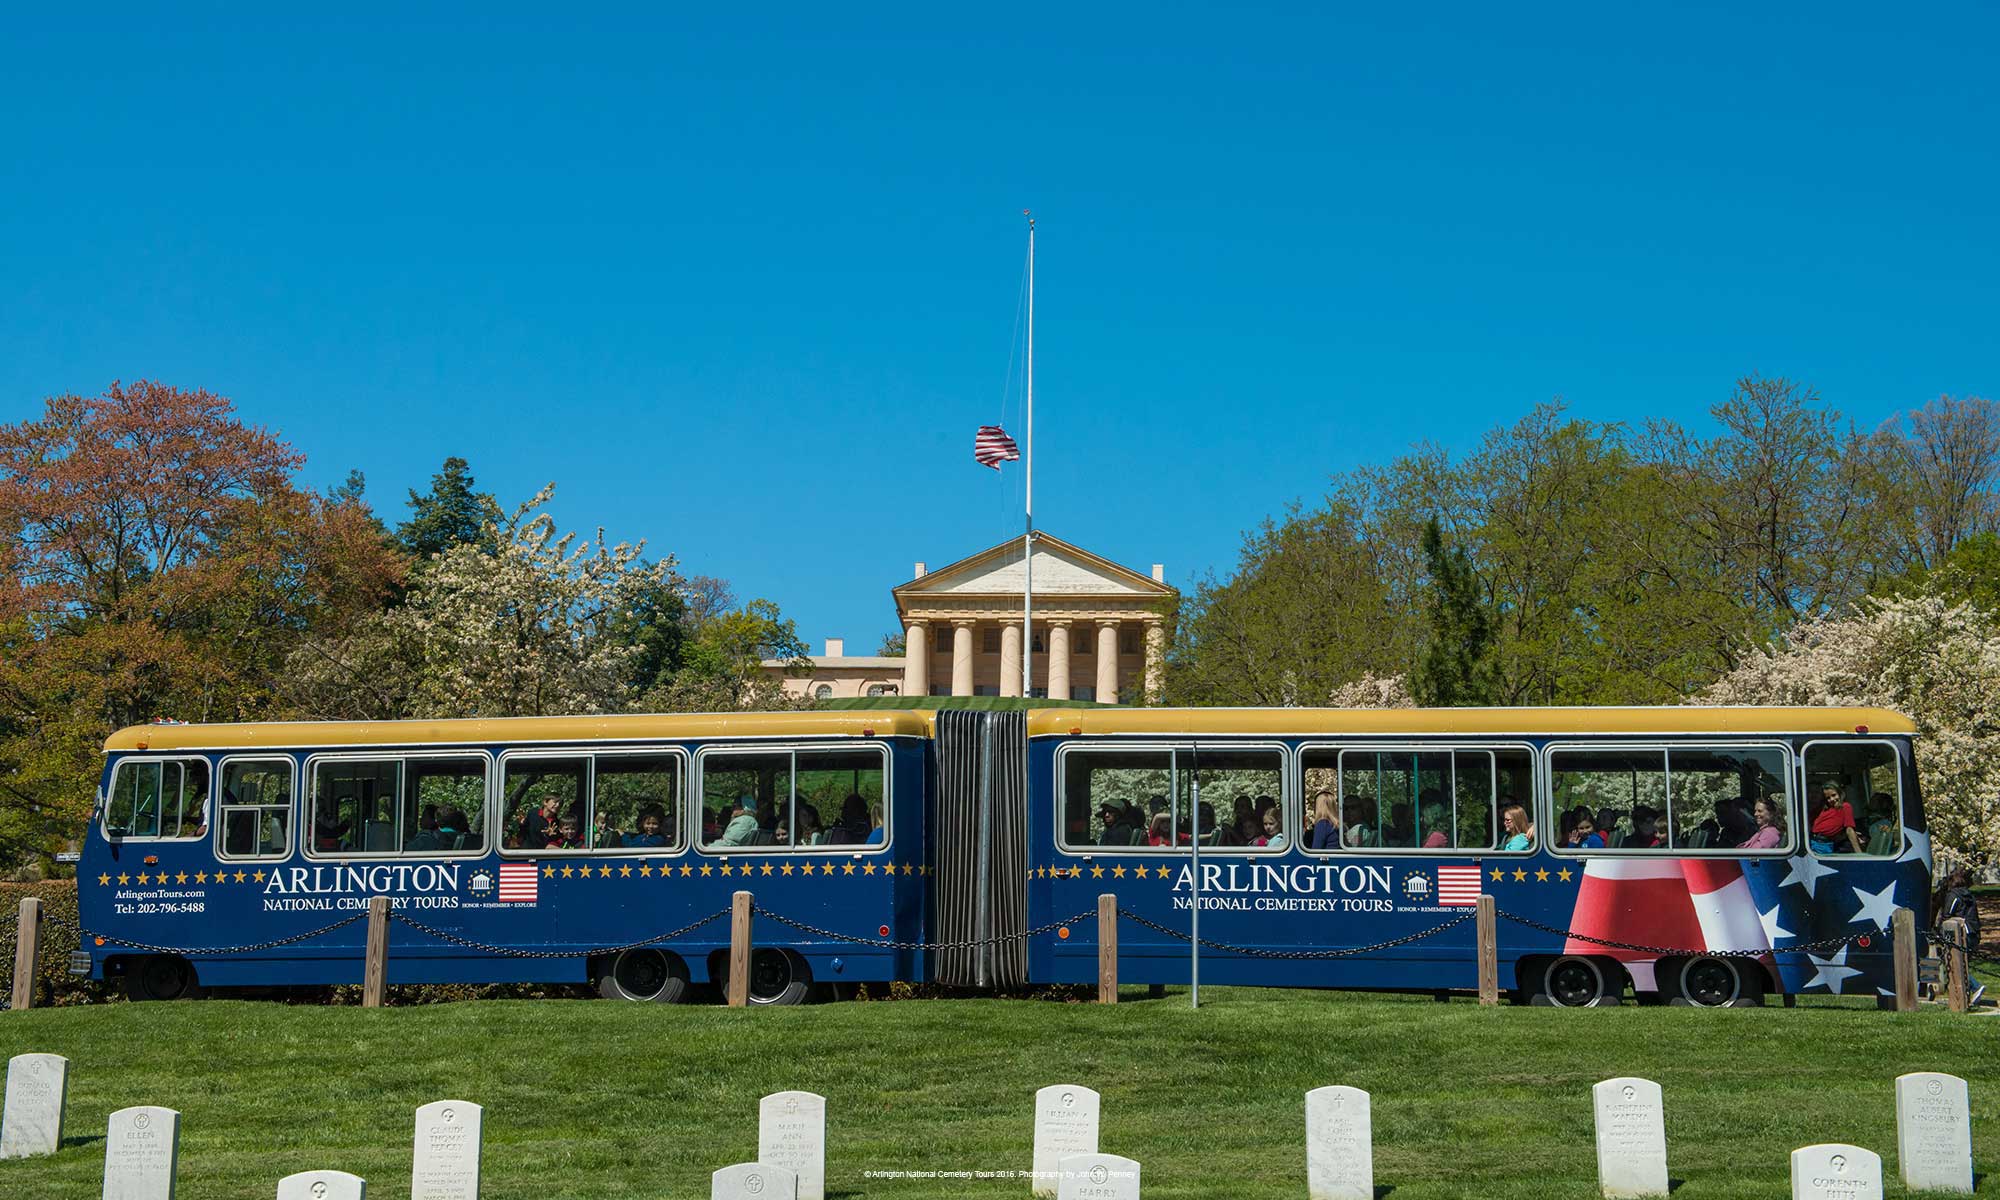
pixel 745 285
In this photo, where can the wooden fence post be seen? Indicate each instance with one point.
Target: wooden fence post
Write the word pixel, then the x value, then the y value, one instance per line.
pixel 1903 942
pixel 375 972
pixel 1107 949
pixel 1489 951
pixel 1955 963
pixel 739 950
pixel 27 952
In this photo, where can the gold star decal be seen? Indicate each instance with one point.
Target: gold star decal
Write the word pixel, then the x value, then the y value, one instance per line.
pixel 706 870
pixel 869 869
pixel 124 879
pixel 1520 876
pixel 826 868
pixel 847 868
pixel 624 872
pixel 907 869
pixel 239 877
pixel 787 869
pixel 1563 874
pixel 180 877
pixel 728 868
pixel 103 879
pixel 1498 874
pixel 201 876
pixel 604 872
pixel 1542 875
pixel 1038 872
pixel 1097 872
pixel 568 871
pixel 1076 872
pixel 767 869
pixel 548 872
pixel 1118 872
pixel 645 870
pixel 687 870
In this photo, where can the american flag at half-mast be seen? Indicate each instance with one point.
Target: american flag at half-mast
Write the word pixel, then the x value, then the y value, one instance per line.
pixel 992 446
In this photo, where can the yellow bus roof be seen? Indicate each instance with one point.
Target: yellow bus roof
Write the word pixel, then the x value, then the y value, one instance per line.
pixel 1184 722
pixel 284 735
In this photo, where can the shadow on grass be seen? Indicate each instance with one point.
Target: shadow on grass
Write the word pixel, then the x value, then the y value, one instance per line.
pixel 82 1139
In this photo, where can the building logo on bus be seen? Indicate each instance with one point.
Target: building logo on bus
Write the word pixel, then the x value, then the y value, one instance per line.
pixel 1300 887
pixel 333 889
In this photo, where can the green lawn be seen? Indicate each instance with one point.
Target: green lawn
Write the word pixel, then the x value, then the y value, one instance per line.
pixel 595 1099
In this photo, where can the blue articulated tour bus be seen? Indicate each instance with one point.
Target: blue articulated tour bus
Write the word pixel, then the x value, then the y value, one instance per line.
pixel 1710 856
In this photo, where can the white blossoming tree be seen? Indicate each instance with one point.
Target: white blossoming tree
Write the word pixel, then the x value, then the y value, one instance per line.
pixel 534 622
pixel 1935 661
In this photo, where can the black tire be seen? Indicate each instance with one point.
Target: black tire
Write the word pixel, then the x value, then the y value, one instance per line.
pixel 1577 981
pixel 779 977
pixel 161 977
pixel 645 975
pixel 1714 983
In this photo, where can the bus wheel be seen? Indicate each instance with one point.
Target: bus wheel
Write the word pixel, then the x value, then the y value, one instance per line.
pixel 779 977
pixel 1576 981
pixel 160 977
pixel 1713 983
pixel 644 974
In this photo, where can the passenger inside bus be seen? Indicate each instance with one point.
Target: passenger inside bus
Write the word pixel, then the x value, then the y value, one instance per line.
pixel 1583 832
pixel 1831 821
pixel 1353 816
pixel 1119 823
pixel 1160 832
pixel 741 829
pixel 1325 833
pixel 1770 834
pixel 1884 828
pixel 1514 820
pixel 1645 833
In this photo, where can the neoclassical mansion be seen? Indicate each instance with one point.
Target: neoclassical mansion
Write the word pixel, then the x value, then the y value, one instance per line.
pixel 1099 631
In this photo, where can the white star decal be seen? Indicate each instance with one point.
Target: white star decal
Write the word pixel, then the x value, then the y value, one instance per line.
pixel 1916 847
pixel 1831 971
pixel 1772 929
pixel 1806 872
pixel 1879 907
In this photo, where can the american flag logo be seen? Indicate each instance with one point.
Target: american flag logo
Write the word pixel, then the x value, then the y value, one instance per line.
pixel 518 882
pixel 992 447
pixel 1458 885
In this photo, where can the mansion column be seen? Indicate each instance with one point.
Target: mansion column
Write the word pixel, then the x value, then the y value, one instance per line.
pixel 1010 659
pixel 1058 660
pixel 916 659
pixel 1156 659
pixel 961 658
pixel 1107 662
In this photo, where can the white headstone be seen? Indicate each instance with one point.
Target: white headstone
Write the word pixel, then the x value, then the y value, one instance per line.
pixel 1065 1124
pixel 1933 1132
pixel 1631 1138
pixel 142 1146
pixel 753 1181
pixel 322 1185
pixel 446 1163
pixel 791 1133
pixel 1833 1171
pixel 1097 1177
pixel 1340 1145
pixel 32 1121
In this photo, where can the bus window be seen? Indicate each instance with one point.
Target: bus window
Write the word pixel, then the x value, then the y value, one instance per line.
pixel 843 789
pixel 1713 796
pixel 1117 798
pixel 750 795
pixel 445 809
pixel 354 805
pixel 256 808
pixel 1437 800
pixel 542 805
pixel 1240 789
pixel 155 798
pixel 636 802
pixel 1855 783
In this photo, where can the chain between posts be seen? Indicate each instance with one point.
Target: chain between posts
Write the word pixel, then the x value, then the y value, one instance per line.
pixel 1259 952
pixel 512 952
pixel 1972 953
pixel 184 951
pixel 1673 952
pixel 889 944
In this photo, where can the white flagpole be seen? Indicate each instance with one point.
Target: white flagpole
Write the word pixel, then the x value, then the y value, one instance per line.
pixel 1028 537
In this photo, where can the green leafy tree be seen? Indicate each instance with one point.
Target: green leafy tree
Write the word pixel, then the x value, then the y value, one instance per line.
pixel 452 513
pixel 1457 664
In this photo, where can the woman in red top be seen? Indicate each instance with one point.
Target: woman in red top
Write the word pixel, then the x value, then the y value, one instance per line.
pixel 1833 823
